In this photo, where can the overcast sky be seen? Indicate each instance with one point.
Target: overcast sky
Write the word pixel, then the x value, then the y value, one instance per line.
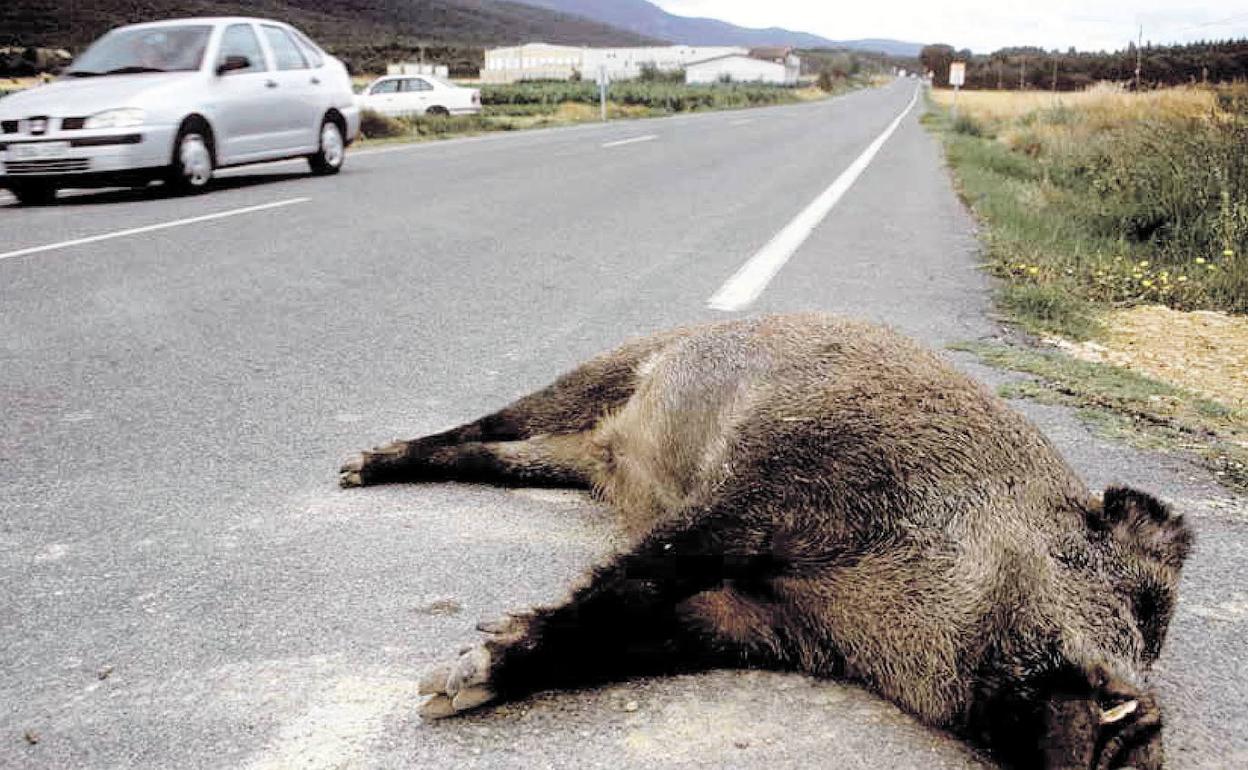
pixel 983 25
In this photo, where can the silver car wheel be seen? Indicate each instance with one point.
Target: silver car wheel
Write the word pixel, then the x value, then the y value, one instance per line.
pixel 196 160
pixel 332 148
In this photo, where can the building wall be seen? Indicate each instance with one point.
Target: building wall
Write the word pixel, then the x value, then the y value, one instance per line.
pixel 534 61
pixel 417 68
pixel 540 61
pixel 741 69
pixel 627 63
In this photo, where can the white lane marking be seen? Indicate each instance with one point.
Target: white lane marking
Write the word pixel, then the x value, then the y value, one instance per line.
pixel 749 281
pixel 633 140
pixel 152 228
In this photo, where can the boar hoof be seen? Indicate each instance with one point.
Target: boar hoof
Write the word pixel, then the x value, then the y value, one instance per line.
pixel 506 626
pixel 353 471
pixel 457 686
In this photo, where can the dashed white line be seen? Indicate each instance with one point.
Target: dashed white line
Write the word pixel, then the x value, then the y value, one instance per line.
pixel 748 282
pixel 633 140
pixel 152 228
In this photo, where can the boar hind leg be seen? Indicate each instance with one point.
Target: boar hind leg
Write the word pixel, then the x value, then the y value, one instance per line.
pixel 676 603
pixel 535 440
pixel 563 460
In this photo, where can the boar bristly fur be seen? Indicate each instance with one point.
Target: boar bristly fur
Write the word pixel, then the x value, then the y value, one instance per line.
pixel 816 494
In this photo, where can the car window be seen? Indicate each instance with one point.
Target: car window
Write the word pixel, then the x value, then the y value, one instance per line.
pixel 241 40
pixel 310 49
pixel 159 48
pixel 416 84
pixel 385 87
pixel 286 55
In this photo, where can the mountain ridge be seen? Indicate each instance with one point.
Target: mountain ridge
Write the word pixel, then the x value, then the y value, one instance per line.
pixel 646 18
pixel 375 22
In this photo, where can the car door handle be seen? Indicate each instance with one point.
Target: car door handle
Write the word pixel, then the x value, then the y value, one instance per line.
pixel 316 81
pixel 270 83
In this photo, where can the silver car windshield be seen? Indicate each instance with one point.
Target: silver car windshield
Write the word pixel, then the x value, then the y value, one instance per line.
pixel 144 49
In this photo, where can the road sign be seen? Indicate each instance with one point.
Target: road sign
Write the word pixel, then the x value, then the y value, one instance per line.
pixel 957 73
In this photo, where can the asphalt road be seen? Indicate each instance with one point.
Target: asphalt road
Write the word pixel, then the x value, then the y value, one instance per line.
pixel 185 586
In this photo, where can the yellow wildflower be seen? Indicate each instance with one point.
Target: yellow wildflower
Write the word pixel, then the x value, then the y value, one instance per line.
pixel 1033 270
pixel 1146 283
pixel 1200 260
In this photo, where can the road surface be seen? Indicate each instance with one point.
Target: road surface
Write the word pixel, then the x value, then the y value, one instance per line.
pixel 186 586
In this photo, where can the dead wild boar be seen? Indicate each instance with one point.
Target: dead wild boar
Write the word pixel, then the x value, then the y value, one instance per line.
pixel 817 494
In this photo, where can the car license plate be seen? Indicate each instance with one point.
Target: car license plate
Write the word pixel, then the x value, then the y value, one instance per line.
pixel 38 151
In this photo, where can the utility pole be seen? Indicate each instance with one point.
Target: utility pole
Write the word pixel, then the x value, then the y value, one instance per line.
pixel 1139 54
pixel 602 90
pixel 1022 73
pixel 1000 66
pixel 1055 75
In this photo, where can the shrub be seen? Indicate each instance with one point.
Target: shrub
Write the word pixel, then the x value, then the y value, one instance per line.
pixel 652 74
pixel 965 124
pixel 374 125
pixel 662 96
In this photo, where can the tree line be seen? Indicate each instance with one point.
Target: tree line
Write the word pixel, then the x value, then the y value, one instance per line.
pixel 1035 68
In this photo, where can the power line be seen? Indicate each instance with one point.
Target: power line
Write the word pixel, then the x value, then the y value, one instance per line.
pixel 1227 20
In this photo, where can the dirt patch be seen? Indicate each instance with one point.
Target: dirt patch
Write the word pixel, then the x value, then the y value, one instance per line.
pixel 1205 352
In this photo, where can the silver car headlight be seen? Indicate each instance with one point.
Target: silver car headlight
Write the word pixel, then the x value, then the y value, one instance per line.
pixel 126 117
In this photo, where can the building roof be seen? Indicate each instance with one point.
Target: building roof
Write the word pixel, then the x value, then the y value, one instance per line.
pixel 728 56
pixel 771 52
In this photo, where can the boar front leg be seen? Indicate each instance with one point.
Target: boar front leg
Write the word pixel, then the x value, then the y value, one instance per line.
pixel 677 602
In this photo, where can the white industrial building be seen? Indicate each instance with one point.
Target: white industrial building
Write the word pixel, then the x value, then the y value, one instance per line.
pixel 627 63
pixel 762 65
pixel 418 68
pixel 532 61
pixel 542 61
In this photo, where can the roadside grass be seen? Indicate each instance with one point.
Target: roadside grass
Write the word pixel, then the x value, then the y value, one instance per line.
pixel 1109 198
pixel 1127 405
pixel 382 129
pixel 1097 202
pixel 665 97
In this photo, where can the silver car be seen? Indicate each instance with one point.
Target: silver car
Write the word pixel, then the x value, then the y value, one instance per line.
pixel 174 100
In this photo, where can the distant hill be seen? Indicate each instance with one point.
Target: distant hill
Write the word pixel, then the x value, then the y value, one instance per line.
pixel 645 18
pixel 883 45
pixel 61 23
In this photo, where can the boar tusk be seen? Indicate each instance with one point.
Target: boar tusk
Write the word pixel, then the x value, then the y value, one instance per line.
pixel 1109 716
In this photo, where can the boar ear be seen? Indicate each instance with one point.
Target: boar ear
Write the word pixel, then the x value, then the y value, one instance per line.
pixel 1143 524
pixel 1121 503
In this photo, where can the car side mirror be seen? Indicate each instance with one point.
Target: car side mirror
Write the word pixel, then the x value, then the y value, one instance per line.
pixel 233 63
